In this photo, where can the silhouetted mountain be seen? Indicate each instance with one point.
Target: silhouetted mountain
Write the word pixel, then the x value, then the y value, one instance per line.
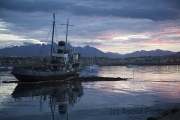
pixel 87 51
pixel 115 55
pixel 30 50
pixel 44 50
pixel 157 52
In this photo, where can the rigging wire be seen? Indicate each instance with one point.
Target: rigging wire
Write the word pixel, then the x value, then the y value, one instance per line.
pixel 49 32
pixel 45 40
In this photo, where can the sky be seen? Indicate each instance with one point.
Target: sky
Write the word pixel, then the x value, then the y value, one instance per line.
pixel 120 26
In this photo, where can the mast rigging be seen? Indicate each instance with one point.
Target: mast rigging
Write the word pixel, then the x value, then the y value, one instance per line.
pixel 67 25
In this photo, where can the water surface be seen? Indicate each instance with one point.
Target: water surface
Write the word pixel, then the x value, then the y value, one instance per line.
pixel 151 91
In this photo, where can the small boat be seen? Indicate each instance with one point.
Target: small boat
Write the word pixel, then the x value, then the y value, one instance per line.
pixel 60 65
pixel 5 68
pixel 131 66
pixel 92 68
pixel 92 65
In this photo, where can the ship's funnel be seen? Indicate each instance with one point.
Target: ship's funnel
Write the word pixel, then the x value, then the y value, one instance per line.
pixel 61 47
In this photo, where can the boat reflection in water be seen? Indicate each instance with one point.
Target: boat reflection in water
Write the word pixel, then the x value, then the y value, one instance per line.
pixel 58 95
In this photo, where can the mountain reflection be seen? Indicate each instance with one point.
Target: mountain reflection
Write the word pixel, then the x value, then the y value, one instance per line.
pixel 59 95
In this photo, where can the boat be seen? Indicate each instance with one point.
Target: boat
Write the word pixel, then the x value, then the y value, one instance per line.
pixel 60 65
pixel 131 66
pixel 92 65
pixel 5 68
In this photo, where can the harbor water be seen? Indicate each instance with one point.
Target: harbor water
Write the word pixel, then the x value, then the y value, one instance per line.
pixel 151 92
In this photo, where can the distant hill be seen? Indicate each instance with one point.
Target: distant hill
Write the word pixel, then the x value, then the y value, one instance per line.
pixel 87 51
pixel 157 52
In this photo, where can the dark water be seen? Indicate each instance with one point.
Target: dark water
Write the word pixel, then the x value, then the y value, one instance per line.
pixel 152 91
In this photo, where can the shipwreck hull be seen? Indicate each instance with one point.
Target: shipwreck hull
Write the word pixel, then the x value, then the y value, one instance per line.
pixel 30 78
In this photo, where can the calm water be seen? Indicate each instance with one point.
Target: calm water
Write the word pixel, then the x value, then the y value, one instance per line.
pixel 151 91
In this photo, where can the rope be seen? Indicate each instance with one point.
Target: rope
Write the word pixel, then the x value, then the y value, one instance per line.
pixel 45 40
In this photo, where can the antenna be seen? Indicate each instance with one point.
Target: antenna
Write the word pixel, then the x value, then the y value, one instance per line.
pixel 67 25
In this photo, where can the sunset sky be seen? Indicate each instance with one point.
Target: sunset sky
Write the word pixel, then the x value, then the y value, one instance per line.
pixel 121 26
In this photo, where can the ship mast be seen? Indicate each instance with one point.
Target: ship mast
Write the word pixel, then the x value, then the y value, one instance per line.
pixel 52 37
pixel 67 25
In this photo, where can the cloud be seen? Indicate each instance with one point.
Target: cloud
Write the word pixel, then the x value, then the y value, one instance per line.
pixel 138 9
pixel 27 6
pixel 157 14
pixel 111 25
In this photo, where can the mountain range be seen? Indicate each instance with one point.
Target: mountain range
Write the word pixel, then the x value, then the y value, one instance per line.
pixel 28 50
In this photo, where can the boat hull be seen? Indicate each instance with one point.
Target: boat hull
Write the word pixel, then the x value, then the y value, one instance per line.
pixel 25 74
pixel 31 78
